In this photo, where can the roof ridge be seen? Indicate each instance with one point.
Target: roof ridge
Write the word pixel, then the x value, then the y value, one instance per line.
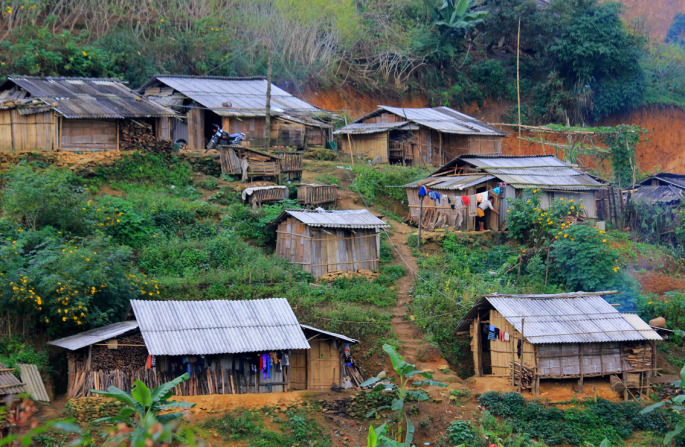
pixel 225 78
pixel 65 78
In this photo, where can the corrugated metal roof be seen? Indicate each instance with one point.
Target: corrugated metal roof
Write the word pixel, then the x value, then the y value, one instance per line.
pixel 546 172
pixel 442 119
pixel 659 194
pixel 218 326
pixel 7 378
pixel 235 96
pixel 456 183
pixel 334 218
pixel 644 328
pixel 89 97
pixel 34 383
pixel 87 338
pixel 668 178
pixel 564 318
pixel 371 128
pixel 332 334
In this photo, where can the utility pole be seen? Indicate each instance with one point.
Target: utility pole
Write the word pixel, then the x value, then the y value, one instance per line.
pixel 267 118
pixel 518 89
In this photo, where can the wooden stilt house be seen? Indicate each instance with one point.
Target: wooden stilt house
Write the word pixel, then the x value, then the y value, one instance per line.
pixel 324 241
pixel 227 347
pixel 501 178
pixel 73 114
pixel 559 336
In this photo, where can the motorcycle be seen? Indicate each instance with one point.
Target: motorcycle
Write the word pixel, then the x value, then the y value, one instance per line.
pixel 224 138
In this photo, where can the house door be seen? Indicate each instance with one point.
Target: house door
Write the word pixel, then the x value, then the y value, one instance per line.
pixel 298 370
pixel 324 365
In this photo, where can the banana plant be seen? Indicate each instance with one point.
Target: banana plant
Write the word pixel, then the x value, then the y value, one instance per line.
pixel 455 15
pixel 675 404
pixel 142 405
pixel 406 372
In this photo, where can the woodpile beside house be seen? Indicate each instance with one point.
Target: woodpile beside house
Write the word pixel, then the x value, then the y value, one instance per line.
pixel 140 136
pixel 226 347
pixel 559 336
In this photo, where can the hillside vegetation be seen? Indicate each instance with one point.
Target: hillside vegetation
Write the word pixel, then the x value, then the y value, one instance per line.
pixel 579 62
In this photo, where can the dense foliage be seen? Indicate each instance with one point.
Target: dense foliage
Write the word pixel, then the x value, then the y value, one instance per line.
pixel 579 61
pixel 599 419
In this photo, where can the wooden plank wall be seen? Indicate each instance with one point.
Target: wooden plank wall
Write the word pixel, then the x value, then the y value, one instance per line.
pixel 89 135
pixel 27 133
pixel 370 146
pixel 163 128
pixel 196 129
pixel 501 351
pixel 486 145
pixel 563 360
pixel 323 365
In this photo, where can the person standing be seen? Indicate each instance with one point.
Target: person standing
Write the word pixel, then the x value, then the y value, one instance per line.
pixel 482 211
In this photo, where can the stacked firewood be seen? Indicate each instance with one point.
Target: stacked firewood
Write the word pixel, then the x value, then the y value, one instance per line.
pixel 130 354
pixel 137 135
pixel 639 357
pixel 355 373
pixel 523 375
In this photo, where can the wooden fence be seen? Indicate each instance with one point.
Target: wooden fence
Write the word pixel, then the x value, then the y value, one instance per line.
pixel 291 164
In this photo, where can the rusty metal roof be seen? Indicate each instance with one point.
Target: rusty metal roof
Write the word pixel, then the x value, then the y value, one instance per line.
pixel 666 178
pixel 354 219
pixel 97 335
pixel 218 326
pixel 457 183
pixel 544 171
pixel 442 119
pixel 564 318
pixel 88 97
pixel 371 128
pixel 230 96
pixel 9 384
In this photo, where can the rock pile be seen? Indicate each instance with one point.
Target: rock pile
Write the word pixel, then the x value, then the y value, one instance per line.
pixel 337 274
pixel 87 409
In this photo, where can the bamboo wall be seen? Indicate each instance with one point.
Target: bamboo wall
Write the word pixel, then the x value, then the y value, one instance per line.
pixel 89 135
pixel 314 195
pixel 503 353
pixel 196 129
pixel 368 145
pixel 321 251
pixel 35 132
pixel 260 196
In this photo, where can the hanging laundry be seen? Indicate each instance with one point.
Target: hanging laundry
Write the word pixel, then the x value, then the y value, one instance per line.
pixel 519 348
pixel 465 200
pixel 506 336
pixel 479 197
pixel 484 195
pixel 491 335
pixel 496 334
pixel 496 190
pixel 492 328
pixel 423 191
pixel 148 363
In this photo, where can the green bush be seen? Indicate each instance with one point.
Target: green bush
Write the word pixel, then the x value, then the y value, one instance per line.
pixel 35 198
pixel 251 224
pixel 461 432
pixel 583 259
pixel 574 426
pixel 14 350
pixel 148 169
pixel 371 182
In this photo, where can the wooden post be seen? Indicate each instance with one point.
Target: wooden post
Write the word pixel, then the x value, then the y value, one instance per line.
pixel 418 243
pixel 478 362
pixel 518 89
pixel 349 141
pixel 580 380
pixel 513 357
pixel 624 374
pixel 523 345
pixel 267 118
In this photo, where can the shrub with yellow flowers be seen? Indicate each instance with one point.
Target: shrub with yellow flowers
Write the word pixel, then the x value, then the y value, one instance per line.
pixel 583 260
pixel 529 223
pixel 69 285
